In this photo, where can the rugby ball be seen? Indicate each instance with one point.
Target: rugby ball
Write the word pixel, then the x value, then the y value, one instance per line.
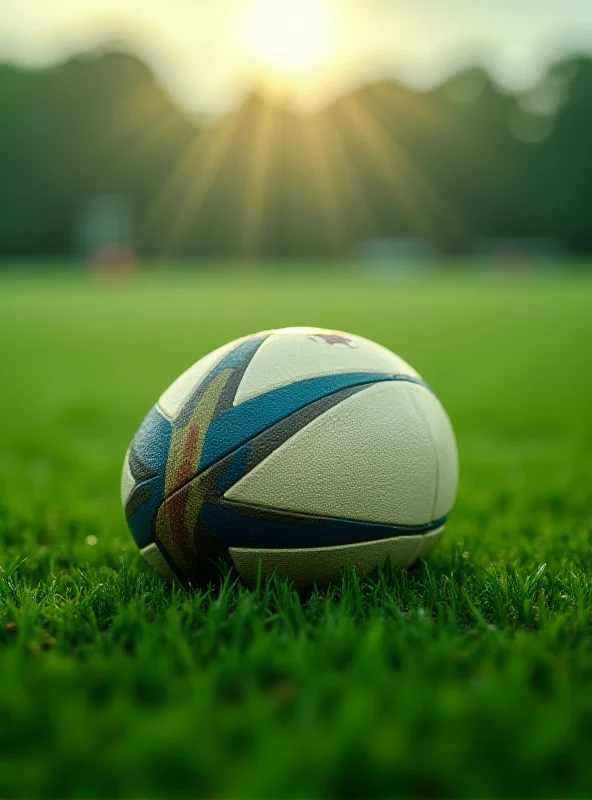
pixel 299 451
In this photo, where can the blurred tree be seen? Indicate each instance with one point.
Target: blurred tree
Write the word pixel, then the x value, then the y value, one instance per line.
pixel 450 166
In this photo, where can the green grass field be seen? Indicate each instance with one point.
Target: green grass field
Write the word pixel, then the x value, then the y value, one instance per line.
pixel 470 676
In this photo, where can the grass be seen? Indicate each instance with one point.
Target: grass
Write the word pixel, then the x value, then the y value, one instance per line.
pixel 470 676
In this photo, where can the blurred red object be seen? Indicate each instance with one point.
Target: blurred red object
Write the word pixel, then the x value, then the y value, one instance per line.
pixel 115 265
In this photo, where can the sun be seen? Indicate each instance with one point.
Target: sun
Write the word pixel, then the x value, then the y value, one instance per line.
pixel 289 37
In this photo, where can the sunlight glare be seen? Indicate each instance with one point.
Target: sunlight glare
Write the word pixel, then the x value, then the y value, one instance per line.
pixel 289 36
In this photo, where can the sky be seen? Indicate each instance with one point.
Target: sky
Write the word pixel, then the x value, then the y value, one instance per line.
pixel 209 52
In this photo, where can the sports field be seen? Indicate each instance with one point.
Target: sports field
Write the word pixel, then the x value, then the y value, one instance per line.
pixel 470 676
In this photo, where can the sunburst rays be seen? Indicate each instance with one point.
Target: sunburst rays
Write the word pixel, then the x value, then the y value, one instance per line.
pixel 329 163
pixel 258 181
pixel 182 197
pixel 425 211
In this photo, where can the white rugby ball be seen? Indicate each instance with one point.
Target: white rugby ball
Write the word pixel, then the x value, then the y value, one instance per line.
pixel 298 451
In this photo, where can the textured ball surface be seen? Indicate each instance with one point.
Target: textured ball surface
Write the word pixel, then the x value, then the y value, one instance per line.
pixel 301 450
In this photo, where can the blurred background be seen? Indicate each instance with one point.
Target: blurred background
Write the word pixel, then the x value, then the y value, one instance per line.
pixel 175 174
pixel 391 133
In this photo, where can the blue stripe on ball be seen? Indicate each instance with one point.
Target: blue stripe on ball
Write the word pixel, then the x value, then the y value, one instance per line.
pixel 234 427
pixel 239 525
pixel 151 447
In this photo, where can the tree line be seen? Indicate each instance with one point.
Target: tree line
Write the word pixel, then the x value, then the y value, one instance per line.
pixel 453 166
